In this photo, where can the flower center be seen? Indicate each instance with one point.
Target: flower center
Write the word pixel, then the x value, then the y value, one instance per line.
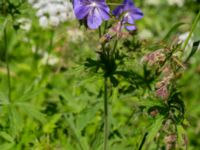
pixel 126 14
pixel 93 4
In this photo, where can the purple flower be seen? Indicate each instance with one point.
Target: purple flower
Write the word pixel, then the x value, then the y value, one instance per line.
pixel 130 14
pixel 94 11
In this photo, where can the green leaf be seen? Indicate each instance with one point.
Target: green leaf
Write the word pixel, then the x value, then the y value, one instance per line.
pixel 7 146
pixel 32 111
pixel 193 51
pixel 3 99
pixel 181 132
pixel 194 25
pixel 7 137
pixel 16 120
pixel 147 103
pixel 30 94
pixel 85 117
pixel 49 127
pixel 174 28
pixel 81 141
pixel 154 128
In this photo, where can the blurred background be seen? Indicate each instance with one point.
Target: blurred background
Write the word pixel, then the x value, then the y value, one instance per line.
pixel 56 101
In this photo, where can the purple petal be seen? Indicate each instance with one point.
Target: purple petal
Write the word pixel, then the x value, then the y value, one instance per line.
pixel 105 7
pixel 137 14
pixel 131 28
pixel 94 19
pixel 117 11
pixel 104 14
pixel 76 3
pixel 128 2
pixel 128 19
pixel 126 6
pixel 81 11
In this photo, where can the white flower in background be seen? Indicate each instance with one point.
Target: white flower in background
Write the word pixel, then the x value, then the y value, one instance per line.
pixel 50 58
pixel 53 12
pixel 183 37
pixel 179 3
pixel 153 2
pixel 181 40
pixel 145 34
pixel 24 24
pixel 75 35
pixel 43 21
pixel 54 21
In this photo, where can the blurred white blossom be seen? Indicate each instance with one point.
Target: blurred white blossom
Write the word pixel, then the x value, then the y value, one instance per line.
pixel 183 37
pixel 50 59
pixel 75 35
pixel 145 34
pixel 179 3
pixel 24 24
pixel 43 20
pixel 153 2
pixel 53 12
pixel 181 40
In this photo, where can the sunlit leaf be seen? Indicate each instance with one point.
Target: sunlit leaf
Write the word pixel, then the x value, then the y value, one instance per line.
pixel 7 137
pixel 49 127
pixel 173 29
pixel 31 111
pixel 154 128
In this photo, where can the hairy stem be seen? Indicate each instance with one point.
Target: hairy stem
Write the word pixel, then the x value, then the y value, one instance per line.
pixel 7 65
pixel 106 131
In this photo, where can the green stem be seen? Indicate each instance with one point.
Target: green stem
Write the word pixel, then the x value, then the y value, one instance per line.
pixel 115 46
pixel 106 132
pixel 105 27
pixel 100 32
pixel 50 46
pixel 114 4
pixel 192 30
pixel 143 141
pixel 7 65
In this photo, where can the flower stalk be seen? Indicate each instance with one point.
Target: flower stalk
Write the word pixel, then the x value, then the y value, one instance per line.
pixel 192 30
pixel 50 45
pixel 106 131
pixel 7 64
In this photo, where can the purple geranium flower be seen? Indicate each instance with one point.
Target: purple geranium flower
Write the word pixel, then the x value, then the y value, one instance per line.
pixel 130 13
pixel 94 11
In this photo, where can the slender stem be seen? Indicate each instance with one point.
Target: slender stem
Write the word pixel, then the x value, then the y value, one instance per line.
pixel 192 30
pixel 7 65
pixel 115 46
pixel 105 27
pixel 106 132
pixel 114 4
pixel 48 140
pixel 50 46
pixel 143 141
pixel 100 34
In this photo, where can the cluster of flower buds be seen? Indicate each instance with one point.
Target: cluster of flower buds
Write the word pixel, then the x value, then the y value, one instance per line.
pixel 155 57
pixel 52 12
pixel 162 86
pixel 170 141
pixel 158 59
